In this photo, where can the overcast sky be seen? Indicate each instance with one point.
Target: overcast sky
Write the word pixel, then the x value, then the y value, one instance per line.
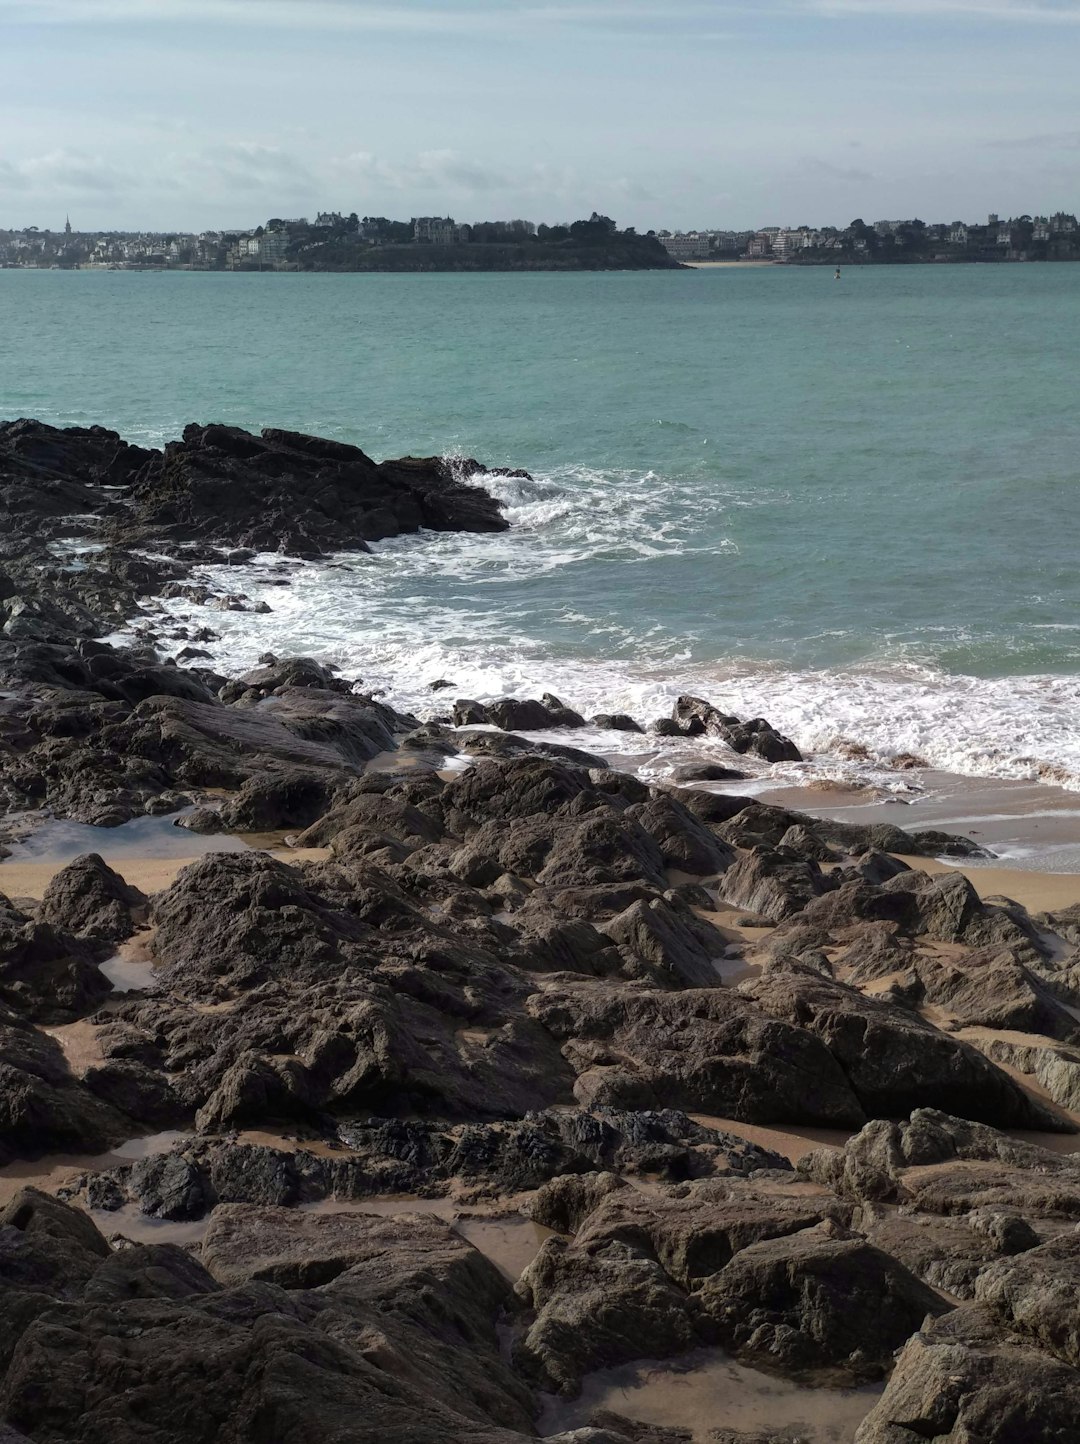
pixel 208 113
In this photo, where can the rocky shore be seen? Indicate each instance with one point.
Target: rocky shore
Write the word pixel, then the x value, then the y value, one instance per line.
pixel 477 1071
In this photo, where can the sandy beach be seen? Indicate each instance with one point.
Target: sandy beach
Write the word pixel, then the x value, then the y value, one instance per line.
pixel 148 874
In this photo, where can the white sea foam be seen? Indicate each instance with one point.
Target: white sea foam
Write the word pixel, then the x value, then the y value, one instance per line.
pixel 491 615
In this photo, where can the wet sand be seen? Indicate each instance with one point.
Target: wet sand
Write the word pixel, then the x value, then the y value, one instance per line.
pixel 790 1142
pixel 701 1390
pixel 1037 891
pixel 57 1169
pixel 1029 826
pixel 149 874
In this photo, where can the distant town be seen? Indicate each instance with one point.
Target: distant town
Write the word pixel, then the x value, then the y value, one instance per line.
pixel 337 242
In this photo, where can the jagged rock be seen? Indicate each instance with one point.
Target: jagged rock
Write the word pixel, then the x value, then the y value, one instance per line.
pixel 772 885
pixel 47 976
pixel 255 1090
pixel 991 988
pixel 617 722
pixel 89 899
pixel 706 1051
pixel 597 1310
pixel 894 1060
pixel 799 841
pixel 673 943
pixel 563 1203
pixel 271 676
pixel 294 493
pixel 401 1349
pixel 304 1250
pixel 694 714
pixel 810 1303
pixel 46 1245
pixel 1056 1067
pixel 963 1379
pixel 513 714
pixel 684 841
pixel 168 1186
pixel 696 1229
pixel 148 1271
pixel 272 801
pixel 887 1161
pixel 1035 1296
pixel 707 772
pixel 43 1109
pixel 368 815
pixel 946 1253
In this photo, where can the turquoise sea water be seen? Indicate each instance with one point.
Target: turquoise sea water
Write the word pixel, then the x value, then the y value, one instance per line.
pixel 851 506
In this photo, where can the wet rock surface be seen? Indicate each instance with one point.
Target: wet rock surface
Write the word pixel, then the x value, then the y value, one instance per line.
pixel 529 999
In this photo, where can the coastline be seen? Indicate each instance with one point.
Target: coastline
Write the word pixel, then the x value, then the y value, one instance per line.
pixel 448 1030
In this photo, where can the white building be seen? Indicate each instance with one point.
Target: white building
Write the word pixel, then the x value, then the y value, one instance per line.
pixel 434 230
pixel 686 246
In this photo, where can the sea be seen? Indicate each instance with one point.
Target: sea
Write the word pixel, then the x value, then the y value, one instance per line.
pixel 851 507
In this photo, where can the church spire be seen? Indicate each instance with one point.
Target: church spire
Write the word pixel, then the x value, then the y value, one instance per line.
pixel 67 225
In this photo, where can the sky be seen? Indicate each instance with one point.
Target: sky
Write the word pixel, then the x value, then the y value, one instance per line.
pixel 200 114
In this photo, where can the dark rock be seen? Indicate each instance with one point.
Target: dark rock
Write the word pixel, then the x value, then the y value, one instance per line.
pixel 771 885
pixel 168 1186
pixel 513 714
pixel 1035 1296
pixel 276 800
pixel 294 493
pixel 674 944
pixel 982 1167
pixel 47 976
pixel 692 714
pixel 148 1271
pixel 963 1378
pixel 707 772
pixel 594 1311
pixel 894 1059
pixel 617 722
pixel 91 900
pixel 273 675
pixel 706 1051
pixel 812 1303
pixel 564 1203
pixel 684 841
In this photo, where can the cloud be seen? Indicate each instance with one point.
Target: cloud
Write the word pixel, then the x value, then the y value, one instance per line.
pixel 480 17
pixel 848 174
pixel 244 166
pixel 1062 140
pixel 430 170
pixel 1044 12
pixel 408 16
pixel 63 171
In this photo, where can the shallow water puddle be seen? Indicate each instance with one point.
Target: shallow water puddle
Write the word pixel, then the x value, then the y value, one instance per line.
pixel 55 1169
pixel 131 967
pixel 708 1390
pixel 138 1227
pixel 143 837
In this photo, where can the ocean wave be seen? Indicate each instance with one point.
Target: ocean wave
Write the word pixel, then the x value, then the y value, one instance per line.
pixel 531 610
pixel 853 724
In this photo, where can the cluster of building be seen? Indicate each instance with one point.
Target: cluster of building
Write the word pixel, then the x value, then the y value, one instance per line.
pixel 278 245
pixel 284 244
pixel 1019 238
